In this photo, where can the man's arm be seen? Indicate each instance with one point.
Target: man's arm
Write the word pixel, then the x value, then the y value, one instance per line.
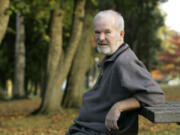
pixel 115 112
pixel 136 79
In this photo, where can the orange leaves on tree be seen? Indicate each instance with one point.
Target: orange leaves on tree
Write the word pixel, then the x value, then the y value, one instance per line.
pixel 157 74
pixel 170 57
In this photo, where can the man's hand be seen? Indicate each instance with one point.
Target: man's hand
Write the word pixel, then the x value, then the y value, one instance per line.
pixel 113 115
pixel 112 118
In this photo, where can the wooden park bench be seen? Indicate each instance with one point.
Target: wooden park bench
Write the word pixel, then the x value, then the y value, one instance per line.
pixel 168 112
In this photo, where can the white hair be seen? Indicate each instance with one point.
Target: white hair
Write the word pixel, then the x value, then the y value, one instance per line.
pixel 119 21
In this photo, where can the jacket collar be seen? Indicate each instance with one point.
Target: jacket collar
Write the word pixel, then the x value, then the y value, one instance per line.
pixel 113 57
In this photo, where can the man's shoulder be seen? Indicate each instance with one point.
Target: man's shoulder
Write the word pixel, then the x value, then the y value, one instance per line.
pixel 129 60
pixel 126 57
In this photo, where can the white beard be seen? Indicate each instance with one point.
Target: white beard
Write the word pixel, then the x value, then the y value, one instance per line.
pixel 108 50
pixel 104 50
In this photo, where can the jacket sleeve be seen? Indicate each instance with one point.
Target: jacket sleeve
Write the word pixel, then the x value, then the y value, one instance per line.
pixel 138 81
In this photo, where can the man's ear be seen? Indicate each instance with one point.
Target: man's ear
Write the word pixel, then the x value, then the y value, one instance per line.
pixel 122 32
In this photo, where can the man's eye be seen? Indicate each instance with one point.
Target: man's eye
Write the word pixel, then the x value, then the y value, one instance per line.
pixel 97 32
pixel 108 32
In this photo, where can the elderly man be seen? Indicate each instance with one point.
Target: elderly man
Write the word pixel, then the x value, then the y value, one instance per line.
pixel 123 86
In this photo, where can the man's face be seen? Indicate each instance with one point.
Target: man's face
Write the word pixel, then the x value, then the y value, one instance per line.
pixel 107 38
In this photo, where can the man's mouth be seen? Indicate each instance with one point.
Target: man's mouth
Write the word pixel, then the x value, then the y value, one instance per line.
pixel 102 44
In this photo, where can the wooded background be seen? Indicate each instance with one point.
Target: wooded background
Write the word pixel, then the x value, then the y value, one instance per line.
pixel 45 43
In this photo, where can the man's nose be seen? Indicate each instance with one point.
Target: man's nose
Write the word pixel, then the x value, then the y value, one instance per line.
pixel 101 37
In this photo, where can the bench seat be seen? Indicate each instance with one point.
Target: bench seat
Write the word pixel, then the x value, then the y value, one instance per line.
pixel 168 112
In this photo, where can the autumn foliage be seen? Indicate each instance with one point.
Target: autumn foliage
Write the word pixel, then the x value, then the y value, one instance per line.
pixel 15 118
pixel 170 57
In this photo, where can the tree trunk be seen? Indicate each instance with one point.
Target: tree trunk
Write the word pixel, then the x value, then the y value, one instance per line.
pixel 18 87
pixel 4 18
pixel 35 89
pixel 76 79
pixel 59 63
